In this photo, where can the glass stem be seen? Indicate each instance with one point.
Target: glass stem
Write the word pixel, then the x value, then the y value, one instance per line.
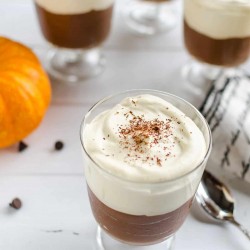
pixel 156 11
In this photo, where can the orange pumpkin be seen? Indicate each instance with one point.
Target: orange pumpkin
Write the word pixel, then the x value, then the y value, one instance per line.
pixel 25 92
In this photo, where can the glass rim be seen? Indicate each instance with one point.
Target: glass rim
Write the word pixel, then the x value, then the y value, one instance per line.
pixel 103 100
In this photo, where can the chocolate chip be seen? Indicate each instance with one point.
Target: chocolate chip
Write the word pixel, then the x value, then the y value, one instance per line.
pixel 16 203
pixel 22 146
pixel 58 145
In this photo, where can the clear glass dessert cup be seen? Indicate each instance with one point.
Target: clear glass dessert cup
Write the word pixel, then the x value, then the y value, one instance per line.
pixel 75 65
pixel 167 203
pixel 76 36
pixel 217 36
pixel 149 17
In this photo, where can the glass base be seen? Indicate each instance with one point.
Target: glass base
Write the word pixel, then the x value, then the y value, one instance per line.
pixel 198 73
pixel 106 242
pixel 148 18
pixel 74 65
pixel 199 76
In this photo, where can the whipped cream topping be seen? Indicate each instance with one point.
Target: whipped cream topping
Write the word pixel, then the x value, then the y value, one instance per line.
pixel 219 19
pixel 145 139
pixel 73 6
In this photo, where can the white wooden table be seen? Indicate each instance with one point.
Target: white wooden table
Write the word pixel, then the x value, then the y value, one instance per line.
pixel 56 213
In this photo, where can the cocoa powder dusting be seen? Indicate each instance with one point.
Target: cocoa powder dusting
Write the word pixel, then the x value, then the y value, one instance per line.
pixel 140 135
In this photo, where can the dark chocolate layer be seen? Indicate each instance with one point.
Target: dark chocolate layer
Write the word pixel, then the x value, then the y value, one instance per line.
pixel 75 31
pixel 223 52
pixel 139 230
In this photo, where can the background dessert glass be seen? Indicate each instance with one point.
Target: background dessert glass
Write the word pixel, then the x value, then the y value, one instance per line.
pixel 76 29
pixel 120 230
pixel 217 35
pixel 149 17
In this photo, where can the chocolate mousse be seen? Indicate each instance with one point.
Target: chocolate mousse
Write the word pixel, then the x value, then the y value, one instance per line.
pixel 217 32
pixel 75 30
pixel 222 52
pixel 143 179
pixel 138 230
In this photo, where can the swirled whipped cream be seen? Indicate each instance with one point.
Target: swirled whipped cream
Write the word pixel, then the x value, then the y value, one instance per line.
pixel 74 6
pixel 144 139
pixel 219 19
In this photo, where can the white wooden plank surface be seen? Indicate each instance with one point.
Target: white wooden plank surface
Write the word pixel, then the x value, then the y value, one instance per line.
pixel 157 70
pixel 56 216
pixel 61 123
pixel 51 184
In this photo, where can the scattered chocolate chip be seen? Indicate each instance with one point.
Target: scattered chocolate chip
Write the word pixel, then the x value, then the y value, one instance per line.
pixel 22 146
pixel 58 145
pixel 16 203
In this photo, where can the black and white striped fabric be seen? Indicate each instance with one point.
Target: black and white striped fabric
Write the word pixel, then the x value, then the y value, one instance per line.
pixel 227 110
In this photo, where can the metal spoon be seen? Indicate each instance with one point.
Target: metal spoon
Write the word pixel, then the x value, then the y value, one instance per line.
pixel 216 199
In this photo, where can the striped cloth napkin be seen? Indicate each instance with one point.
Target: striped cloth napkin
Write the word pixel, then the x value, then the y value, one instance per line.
pixel 227 110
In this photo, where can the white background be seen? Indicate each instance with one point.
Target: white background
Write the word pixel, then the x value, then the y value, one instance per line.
pixel 55 213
